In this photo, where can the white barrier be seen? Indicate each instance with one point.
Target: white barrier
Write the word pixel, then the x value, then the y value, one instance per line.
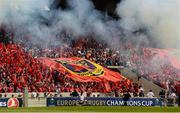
pixel 42 95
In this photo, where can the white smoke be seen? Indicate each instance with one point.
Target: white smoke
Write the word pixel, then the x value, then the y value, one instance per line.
pixel 21 11
pixel 83 19
pixel 159 17
pixel 28 18
pixel 23 16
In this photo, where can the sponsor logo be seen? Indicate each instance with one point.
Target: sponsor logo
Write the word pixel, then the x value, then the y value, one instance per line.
pixel 52 101
pixel 13 103
pixel 2 104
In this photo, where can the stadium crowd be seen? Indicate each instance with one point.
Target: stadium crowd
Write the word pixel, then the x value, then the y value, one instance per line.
pixel 161 71
pixel 20 68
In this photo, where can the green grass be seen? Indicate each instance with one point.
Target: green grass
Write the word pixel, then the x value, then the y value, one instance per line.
pixel 92 109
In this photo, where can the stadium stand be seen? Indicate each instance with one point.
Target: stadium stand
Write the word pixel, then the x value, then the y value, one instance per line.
pixel 20 67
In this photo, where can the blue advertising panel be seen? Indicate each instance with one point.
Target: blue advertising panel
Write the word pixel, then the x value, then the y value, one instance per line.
pixel 11 102
pixel 70 101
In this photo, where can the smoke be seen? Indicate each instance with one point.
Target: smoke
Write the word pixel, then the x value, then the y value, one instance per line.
pixel 36 20
pixel 41 24
pixel 160 18
pixel 82 19
pixel 23 17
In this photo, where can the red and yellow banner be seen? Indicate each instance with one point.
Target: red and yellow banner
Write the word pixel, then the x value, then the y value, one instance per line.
pixel 82 70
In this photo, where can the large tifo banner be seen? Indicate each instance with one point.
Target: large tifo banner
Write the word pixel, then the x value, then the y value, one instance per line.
pixel 71 101
pixel 11 102
pixel 83 70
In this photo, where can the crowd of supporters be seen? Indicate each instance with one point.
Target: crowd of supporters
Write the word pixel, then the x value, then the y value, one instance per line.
pixel 19 66
pixel 154 67
pixel 18 69
pixel 143 61
pixel 83 48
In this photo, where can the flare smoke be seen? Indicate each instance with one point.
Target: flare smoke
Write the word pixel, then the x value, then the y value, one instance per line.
pixel 36 19
pixel 160 18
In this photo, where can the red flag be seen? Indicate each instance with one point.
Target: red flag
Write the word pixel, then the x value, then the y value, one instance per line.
pixel 107 86
pixel 82 70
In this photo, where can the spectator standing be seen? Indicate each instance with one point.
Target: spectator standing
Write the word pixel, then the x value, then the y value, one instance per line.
pixel 172 96
pixel 150 94
pixel 141 94
pixel 126 97
pixel 74 93
pixel 162 94
pixel 82 97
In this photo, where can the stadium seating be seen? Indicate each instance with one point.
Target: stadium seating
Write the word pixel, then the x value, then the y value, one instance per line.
pixel 20 69
pixel 20 63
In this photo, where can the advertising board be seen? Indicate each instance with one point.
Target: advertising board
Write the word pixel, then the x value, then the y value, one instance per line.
pixel 70 101
pixel 11 102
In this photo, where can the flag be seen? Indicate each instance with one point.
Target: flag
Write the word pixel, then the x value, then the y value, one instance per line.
pixel 82 70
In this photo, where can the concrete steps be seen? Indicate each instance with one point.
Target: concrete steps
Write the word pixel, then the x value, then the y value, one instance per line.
pixel 147 85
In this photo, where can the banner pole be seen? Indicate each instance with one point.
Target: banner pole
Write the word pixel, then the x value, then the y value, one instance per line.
pixel 25 97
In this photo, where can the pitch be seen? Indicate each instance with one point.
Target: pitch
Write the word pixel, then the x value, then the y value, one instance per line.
pixel 91 109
